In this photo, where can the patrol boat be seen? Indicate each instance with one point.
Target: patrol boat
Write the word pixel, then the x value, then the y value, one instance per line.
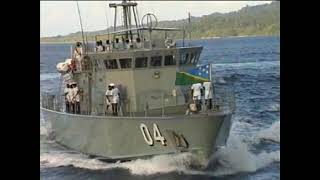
pixel 152 110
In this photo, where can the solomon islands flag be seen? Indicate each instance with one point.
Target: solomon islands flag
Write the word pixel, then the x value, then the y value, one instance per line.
pixel 197 75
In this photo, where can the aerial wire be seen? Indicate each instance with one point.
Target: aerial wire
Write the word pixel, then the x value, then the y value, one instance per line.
pixel 81 25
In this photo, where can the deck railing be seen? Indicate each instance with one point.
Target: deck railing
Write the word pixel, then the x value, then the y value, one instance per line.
pixel 223 101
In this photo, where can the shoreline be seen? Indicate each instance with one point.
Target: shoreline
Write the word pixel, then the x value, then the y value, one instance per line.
pixel 186 39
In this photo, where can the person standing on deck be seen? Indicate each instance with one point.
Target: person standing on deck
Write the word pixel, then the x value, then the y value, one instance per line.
pixel 115 99
pixel 76 98
pixel 138 43
pixel 77 55
pixel 196 94
pixel 69 99
pixel 99 46
pixel 116 44
pixel 66 99
pixel 208 94
pixel 108 98
pixel 108 46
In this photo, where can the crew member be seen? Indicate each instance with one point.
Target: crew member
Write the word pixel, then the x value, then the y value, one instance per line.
pixel 99 46
pixel 108 98
pixel 116 44
pixel 138 43
pixel 115 99
pixel 108 46
pixel 196 94
pixel 77 54
pixel 76 98
pixel 128 44
pixel 208 94
pixel 69 99
pixel 66 99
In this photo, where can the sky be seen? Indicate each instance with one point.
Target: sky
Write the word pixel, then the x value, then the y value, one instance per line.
pixel 61 17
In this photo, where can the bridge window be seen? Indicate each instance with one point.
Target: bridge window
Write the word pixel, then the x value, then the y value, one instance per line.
pixel 197 58
pixel 169 60
pixel 111 64
pixel 141 62
pixel 125 63
pixel 192 58
pixel 155 61
pixel 184 58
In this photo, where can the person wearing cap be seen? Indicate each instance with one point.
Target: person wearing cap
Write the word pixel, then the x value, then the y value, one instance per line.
pixel 77 54
pixel 69 97
pixel 75 98
pixel 108 98
pixel 115 99
pixel 66 97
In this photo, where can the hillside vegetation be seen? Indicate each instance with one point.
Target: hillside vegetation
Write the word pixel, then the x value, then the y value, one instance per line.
pixel 248 21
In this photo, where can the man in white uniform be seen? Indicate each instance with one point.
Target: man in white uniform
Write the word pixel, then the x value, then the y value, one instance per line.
pixel 208 94
pixel 77 54
pixel 76 98
pixel 108 97
pixel 115 99
pixel 67 99
pixel 196 94
pixel 138 43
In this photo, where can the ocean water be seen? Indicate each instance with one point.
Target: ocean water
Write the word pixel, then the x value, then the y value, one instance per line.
pixel 250 66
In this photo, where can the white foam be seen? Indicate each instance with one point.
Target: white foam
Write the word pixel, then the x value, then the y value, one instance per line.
pixel 272 133
pixel 157 164
pixel 65 159
pixel 274 107
pixel 236 158
pixel 163 164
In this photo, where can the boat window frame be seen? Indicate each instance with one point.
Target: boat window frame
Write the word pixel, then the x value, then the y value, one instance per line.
pixel 117 62
pixel 131 62
pixel 192 59
pixel 147 64
pixel 183 56
pixel 161 61
pixel 173 58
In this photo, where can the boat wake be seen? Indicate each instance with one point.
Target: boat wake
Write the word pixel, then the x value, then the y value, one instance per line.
pixel 234 158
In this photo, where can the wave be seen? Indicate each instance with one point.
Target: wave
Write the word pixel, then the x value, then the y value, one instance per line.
pixel 236 158
pixel 157 164
pixel 271 134
pixel 274 108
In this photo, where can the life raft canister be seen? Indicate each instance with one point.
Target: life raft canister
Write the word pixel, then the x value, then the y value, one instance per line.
pixel 62 67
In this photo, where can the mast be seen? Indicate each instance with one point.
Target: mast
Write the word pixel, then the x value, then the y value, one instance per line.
pixel 83 42
pixel 126 6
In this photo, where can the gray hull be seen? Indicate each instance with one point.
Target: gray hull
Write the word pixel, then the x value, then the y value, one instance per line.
pixel 116 138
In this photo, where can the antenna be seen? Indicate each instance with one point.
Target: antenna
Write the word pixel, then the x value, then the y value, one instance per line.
pixel 189 26
pixel 107 25
pixel 81 25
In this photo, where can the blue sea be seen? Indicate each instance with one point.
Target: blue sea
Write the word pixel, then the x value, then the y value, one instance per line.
pixel 249 66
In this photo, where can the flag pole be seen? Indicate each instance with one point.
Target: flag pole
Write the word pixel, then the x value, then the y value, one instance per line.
pixel 210 70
